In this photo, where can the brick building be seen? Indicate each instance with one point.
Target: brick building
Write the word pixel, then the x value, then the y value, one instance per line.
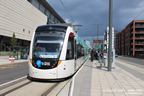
pixel 130 41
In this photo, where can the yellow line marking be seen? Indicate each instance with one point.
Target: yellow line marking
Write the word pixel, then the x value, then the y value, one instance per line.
pixel 9 66
pixel 5 67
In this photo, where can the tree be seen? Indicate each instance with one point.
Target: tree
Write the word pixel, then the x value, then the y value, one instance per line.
pixel 13 40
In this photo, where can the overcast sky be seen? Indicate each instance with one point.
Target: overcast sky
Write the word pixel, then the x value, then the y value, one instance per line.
pixel 89 12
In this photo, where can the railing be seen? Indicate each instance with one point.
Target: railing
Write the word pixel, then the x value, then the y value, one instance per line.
pixel 4 53
pixel 139 37
pixel 139 48
pixel 139 25
pixel 139 31
pixel 139 43
pixel 7 53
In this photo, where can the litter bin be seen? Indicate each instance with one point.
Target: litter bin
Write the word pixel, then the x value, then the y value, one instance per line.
pixel 105 59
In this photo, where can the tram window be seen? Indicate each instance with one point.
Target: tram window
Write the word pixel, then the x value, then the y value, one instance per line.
pixel 80 51
pixel 70 49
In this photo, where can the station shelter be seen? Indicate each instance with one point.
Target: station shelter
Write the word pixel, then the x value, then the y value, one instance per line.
pixel 19 52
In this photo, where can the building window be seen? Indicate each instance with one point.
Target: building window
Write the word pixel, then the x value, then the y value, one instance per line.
pixel 45 12
pixel 23 30
pixel 41 8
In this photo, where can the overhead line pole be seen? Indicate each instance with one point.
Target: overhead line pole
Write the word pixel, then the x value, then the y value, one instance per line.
pixel 97 29
pixel 110 35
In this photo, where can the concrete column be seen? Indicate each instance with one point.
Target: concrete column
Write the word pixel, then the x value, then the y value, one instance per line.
pixel 1 43
pixel 22 42
pixel 18 41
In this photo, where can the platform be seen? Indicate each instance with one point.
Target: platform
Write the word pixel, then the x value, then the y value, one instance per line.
pixel 93 81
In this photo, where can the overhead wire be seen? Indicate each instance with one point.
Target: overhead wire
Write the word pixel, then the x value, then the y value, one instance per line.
pixel 67 10
pixel 138 15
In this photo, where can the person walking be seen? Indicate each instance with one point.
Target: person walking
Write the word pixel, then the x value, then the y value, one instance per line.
pixel 92 55
pixel 101 55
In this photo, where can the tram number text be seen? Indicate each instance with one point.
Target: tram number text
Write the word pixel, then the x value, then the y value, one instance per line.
pixel 46 63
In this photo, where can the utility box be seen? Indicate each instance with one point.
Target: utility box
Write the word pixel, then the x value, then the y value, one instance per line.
pixel 112 59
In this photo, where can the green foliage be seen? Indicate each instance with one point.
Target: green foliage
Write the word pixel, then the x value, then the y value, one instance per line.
pixel 13 41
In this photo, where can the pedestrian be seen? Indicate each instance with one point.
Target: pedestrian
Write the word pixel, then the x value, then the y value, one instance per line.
pixel 101 55
pixel 99 58
pixel 92 55
pixel 95 54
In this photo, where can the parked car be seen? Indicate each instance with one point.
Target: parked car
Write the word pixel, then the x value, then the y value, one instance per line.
pixel 116 55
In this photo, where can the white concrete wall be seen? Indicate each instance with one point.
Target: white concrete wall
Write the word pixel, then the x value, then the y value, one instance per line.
pixel 16 15
pixel 112 37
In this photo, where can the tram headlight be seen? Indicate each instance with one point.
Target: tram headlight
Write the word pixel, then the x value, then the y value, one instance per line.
pixel 31 61
pixel 59 62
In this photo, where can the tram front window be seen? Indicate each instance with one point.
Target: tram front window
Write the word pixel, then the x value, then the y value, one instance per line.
pixel 48 45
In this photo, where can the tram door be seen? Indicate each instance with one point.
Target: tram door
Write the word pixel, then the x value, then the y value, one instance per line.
pixel 75 54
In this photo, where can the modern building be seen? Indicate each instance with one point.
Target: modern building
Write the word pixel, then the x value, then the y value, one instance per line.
pixel 130 41
pixel 106 39
pixel 115 32
pixel 22 17
pixel 118 44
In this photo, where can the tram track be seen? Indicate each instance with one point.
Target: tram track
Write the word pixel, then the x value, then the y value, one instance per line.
pixel 50 89
pixel 19 88
pixel 27 88
pixel 14 88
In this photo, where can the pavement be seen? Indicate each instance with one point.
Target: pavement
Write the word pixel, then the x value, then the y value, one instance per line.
pixel 95 81
pixel 124 80
pixel 5 60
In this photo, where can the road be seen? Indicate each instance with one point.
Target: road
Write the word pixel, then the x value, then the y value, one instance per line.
pixel 9 72
pixel 131 60
pixel 133 65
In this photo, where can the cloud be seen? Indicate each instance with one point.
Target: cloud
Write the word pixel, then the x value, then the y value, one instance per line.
pixel 87 13
pixel 67 20
pixel 91 38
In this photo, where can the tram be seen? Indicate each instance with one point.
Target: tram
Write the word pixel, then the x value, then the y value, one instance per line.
pixel 56 52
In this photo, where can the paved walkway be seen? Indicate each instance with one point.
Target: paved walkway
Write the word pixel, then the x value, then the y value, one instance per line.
pixel 100 82
pixel 5 60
